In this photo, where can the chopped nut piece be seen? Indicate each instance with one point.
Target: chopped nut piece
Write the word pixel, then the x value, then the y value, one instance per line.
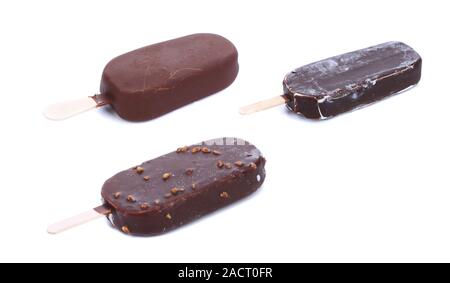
pixel 239 163
pixel 125 229
pixel 193 186
pixel 116 195
pixel 216 152
pixel 144 206
pixel 220 164
pixel 253 166
pixel 189 171
pixel 228 165
pixel 182 149
pixel 130 198
pixel 157 201
pixel 206 150
pixel 166 176
pixel 168 216
pixel 168 195
pixel 195 149
pixel 224 195
pixel 175 191
pixel 146 178
pixel 139 170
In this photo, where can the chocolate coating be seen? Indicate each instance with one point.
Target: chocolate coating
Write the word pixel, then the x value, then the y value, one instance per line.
pixel 174 189
pixel 151 81
pixel 349 81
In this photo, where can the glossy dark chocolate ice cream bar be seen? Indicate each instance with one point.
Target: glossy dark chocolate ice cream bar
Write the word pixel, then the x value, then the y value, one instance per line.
pixel 174 189
pixel 346 82
pixel 151 81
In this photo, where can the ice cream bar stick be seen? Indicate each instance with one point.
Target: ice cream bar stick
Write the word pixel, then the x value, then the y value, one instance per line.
pixel 263 105
pixel 67 109
pixel 79 219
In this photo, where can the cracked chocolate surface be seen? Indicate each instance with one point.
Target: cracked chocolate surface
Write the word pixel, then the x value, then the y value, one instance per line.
pixel 349 81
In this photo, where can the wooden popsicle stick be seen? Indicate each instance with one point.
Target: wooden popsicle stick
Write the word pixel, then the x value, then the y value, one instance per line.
pixel 67 109
pixel 79 219
pixel 263 105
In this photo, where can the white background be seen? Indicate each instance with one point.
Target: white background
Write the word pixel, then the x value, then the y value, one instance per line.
pixel 371 185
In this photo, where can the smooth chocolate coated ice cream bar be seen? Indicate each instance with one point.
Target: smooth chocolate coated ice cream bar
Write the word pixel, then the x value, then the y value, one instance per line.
pixel 349 81
pixel 151 81
pixel 174 189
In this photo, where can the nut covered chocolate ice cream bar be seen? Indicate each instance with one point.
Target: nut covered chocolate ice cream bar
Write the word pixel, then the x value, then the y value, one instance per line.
pixel 151 81
pixel 347 82
pixel 177 188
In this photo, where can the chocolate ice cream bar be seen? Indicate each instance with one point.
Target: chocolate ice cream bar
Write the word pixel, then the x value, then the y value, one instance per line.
pixel 177 188
pixel 174 189
pixel 154 80
pixel 352 80
pixel 349 81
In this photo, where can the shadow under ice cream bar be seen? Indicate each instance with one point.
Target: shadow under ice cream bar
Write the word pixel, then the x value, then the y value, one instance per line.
pixel 151 81
pixel 346 82
pixel 174 189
